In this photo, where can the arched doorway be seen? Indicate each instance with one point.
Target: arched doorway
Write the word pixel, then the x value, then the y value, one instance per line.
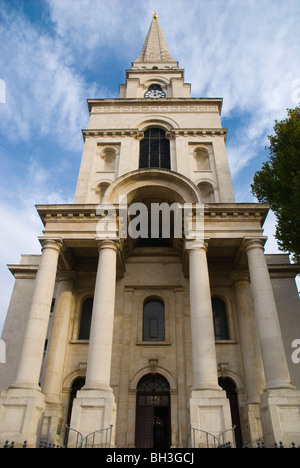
pixel 153 415
pixel 76 386
pixel 230 388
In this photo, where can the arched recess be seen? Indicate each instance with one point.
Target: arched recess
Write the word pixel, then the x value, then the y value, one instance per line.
pixel 77 385
pixel 159 370
pixel 101 190
pixel 169 186
pixel 229 386
pixel 201 155
pixel 207 192
pixel 165 123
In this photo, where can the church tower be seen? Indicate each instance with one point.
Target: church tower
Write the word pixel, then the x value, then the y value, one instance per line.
pixel 152 318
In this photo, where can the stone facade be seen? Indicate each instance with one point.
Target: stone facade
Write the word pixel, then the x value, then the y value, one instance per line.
pixel 215 367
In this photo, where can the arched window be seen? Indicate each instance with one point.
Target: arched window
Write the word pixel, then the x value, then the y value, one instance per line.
pixel 154 320
pixel 86 319
pixel 220 319
pixel 155 150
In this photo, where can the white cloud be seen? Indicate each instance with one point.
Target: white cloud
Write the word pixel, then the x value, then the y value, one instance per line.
pixel 45 93
pixel 242 51
pixel 22 226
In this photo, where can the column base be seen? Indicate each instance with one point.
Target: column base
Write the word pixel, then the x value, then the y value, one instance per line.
pixel 21 413
pixel 93 411
pixel 280 414
pixel 52 426
pixel 210 413
pixel 254 433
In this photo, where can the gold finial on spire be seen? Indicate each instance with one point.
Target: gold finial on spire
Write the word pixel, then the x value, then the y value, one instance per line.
pixel 155 16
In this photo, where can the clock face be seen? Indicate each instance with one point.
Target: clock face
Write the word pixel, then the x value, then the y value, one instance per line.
pixel 155 92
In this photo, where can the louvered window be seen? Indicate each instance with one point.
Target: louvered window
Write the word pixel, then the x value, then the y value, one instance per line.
pixel 155 150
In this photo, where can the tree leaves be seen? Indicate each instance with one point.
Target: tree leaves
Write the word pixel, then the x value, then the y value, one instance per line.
pixel 278 181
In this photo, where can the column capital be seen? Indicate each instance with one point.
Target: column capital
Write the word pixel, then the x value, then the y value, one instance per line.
pixel 51 243
pixel 66 276
pixel 197 244
pixel 253 242
pixel 113 244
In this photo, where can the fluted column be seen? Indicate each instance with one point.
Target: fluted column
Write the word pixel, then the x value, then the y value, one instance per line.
pixel 32 353
pixel 270 337
pixel 59 338
pixel 203 336
pixel 101 338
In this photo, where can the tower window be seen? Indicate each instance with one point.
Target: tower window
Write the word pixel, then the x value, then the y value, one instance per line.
pixel 155 150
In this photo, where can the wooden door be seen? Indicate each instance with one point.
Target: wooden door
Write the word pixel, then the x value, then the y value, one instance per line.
pixel 153 421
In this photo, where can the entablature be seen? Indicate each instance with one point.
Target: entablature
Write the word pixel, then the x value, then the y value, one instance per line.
pixel 206 105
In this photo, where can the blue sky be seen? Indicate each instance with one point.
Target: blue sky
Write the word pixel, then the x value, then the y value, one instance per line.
pixel 55 54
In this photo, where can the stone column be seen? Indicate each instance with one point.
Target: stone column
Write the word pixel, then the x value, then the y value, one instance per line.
pixel 209 407
pixel 100 348
pixel 94 408
pixel 33 348
pixel 54 366
pixel 22 406
pixel 252 361
pixel 58 340
pixel 270 338
pixel 203 335
pixel 280 401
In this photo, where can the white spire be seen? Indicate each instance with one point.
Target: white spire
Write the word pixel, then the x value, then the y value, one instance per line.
pixel 155 50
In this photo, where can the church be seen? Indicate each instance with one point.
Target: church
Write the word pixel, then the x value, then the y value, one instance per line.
pixel 128 332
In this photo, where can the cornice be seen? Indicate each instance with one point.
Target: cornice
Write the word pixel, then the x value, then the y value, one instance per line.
pixel 23 271
pixel 136 133
pixel 284 271
pixel 214 212
pixel 162 105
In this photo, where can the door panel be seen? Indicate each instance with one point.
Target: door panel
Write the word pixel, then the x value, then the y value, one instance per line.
pixel 144 427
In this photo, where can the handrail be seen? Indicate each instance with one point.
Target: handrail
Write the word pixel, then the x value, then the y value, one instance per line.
pixel 83 442
pixel 78 435
pixel 216 439
pixel 104 444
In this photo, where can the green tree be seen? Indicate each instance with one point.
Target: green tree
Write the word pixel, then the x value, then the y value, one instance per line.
pixel 278 182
